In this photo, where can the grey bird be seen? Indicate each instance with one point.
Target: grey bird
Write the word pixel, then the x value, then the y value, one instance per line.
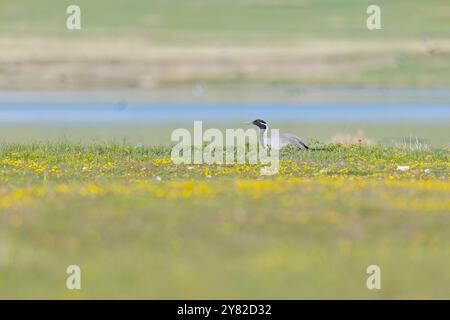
pixel 284 138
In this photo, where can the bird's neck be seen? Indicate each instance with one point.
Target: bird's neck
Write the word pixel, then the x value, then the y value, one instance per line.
pixel 262 137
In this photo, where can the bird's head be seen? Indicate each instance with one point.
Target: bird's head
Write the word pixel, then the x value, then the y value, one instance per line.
pixel 260 123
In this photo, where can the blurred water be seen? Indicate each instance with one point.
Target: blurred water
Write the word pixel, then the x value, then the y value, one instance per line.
pixel 36 113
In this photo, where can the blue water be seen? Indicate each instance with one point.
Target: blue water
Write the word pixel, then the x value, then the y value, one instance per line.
pixel 29 112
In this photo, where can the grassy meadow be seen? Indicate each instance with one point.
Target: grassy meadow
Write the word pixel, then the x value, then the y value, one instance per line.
pixel 107 197
pixel 141 227
pixel 390 134
pixel 241 20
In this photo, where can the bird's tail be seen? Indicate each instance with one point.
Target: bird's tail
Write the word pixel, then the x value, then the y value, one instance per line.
pixel 305 147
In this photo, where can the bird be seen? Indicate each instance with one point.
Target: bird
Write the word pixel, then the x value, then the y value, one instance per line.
pixel 284 138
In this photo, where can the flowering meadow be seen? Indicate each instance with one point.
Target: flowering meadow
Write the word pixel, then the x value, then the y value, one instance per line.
pixel 136 223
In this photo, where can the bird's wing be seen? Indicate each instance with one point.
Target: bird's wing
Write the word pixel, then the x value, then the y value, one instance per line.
pixel 289 138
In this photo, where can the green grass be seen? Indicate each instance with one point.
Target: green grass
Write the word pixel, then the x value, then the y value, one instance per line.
pixel 413 43
pixel 435 135
pixel 176 20
pixel 141 227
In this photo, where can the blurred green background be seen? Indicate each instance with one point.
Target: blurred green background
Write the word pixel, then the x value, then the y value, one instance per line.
pixel 141 44
pixel 221 20
pixel 252 50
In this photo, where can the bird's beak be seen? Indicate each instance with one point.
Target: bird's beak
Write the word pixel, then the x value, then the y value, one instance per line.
pixel 247 122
